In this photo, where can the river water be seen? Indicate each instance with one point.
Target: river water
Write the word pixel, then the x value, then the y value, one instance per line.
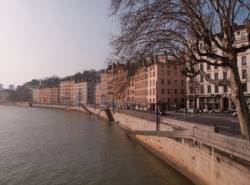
pixel 55 147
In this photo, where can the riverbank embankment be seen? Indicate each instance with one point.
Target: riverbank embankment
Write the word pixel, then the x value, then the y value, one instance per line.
pixel 196 151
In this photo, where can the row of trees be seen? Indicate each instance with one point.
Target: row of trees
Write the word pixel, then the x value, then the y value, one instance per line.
pixel 188 31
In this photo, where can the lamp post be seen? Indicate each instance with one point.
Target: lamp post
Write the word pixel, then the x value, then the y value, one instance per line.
pixel 157 109
pixel 213 101
pixel 113 89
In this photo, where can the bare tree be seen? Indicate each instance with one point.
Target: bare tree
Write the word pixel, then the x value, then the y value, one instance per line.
pixel 190 31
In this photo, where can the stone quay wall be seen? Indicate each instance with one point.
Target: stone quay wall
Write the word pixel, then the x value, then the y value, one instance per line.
pixel 202 164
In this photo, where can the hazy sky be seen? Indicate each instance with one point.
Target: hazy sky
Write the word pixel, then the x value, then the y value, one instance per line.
pixel 41 38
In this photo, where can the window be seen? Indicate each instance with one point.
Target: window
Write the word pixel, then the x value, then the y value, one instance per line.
pixel 244 74
pixel 182 91
pixel 202 89
pixel 168 91
pixel 225 89
pixel 162 81
pixel 201 78
pixel 216 76
pixel 175 82
pixel 168 82
pixel 201 66
pixel 175 67
pixel 182 82
pixel 208 67
pixel 224 75
pixel 244 87
pixel 175 100
pixel 216 89
pixel 175 91
pixel 215 62
pixel 209 89
pixel 169 100
pixel 209 76
pixel 243 60
pixel 191 89
pixel 162 91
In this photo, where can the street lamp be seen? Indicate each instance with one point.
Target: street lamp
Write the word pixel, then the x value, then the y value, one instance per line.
pixel 113 97
pixel 213 95
pixel 157 109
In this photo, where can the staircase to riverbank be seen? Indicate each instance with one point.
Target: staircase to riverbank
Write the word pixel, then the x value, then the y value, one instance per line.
pixel 109 114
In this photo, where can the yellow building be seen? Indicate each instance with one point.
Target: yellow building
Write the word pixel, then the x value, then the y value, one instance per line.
pixel 67 87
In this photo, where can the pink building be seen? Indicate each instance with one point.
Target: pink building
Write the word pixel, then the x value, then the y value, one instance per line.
pixel 166 85
pixel 161 83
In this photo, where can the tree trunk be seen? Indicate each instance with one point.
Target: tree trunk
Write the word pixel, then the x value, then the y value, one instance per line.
pixel 238 99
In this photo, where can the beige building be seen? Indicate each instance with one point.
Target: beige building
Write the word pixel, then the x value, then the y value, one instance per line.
pixel 67 87
pixel 81 93
pixel 202 94
pixel 46 95
pixel 36 95
pixel 98 94
pixel 102 96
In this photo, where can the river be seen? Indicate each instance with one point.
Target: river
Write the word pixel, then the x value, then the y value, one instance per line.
pixel 55 147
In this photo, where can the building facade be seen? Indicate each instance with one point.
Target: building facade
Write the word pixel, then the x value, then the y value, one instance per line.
pixel 202 94
pixel 98 94
pixel 46 95
pixel 81 93
pixel 166 85
pixel 102 95
pixel 67 87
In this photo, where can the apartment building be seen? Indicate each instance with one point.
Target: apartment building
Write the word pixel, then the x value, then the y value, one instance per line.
pixel 91 93
pixel 202 94
pixel 137 90
pixel 98 94
pixel 36 95
pixel 161 82
pixel 166 85
pixel 46 95
pixel 67 86
pixel 80 93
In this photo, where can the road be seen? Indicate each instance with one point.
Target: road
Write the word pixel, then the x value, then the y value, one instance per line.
pixel 224 124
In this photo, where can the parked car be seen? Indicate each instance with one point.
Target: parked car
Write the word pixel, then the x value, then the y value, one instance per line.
pixel 190 111
pixel 205 110
pixel 235 115
pixel 181 110
pixel 137 107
